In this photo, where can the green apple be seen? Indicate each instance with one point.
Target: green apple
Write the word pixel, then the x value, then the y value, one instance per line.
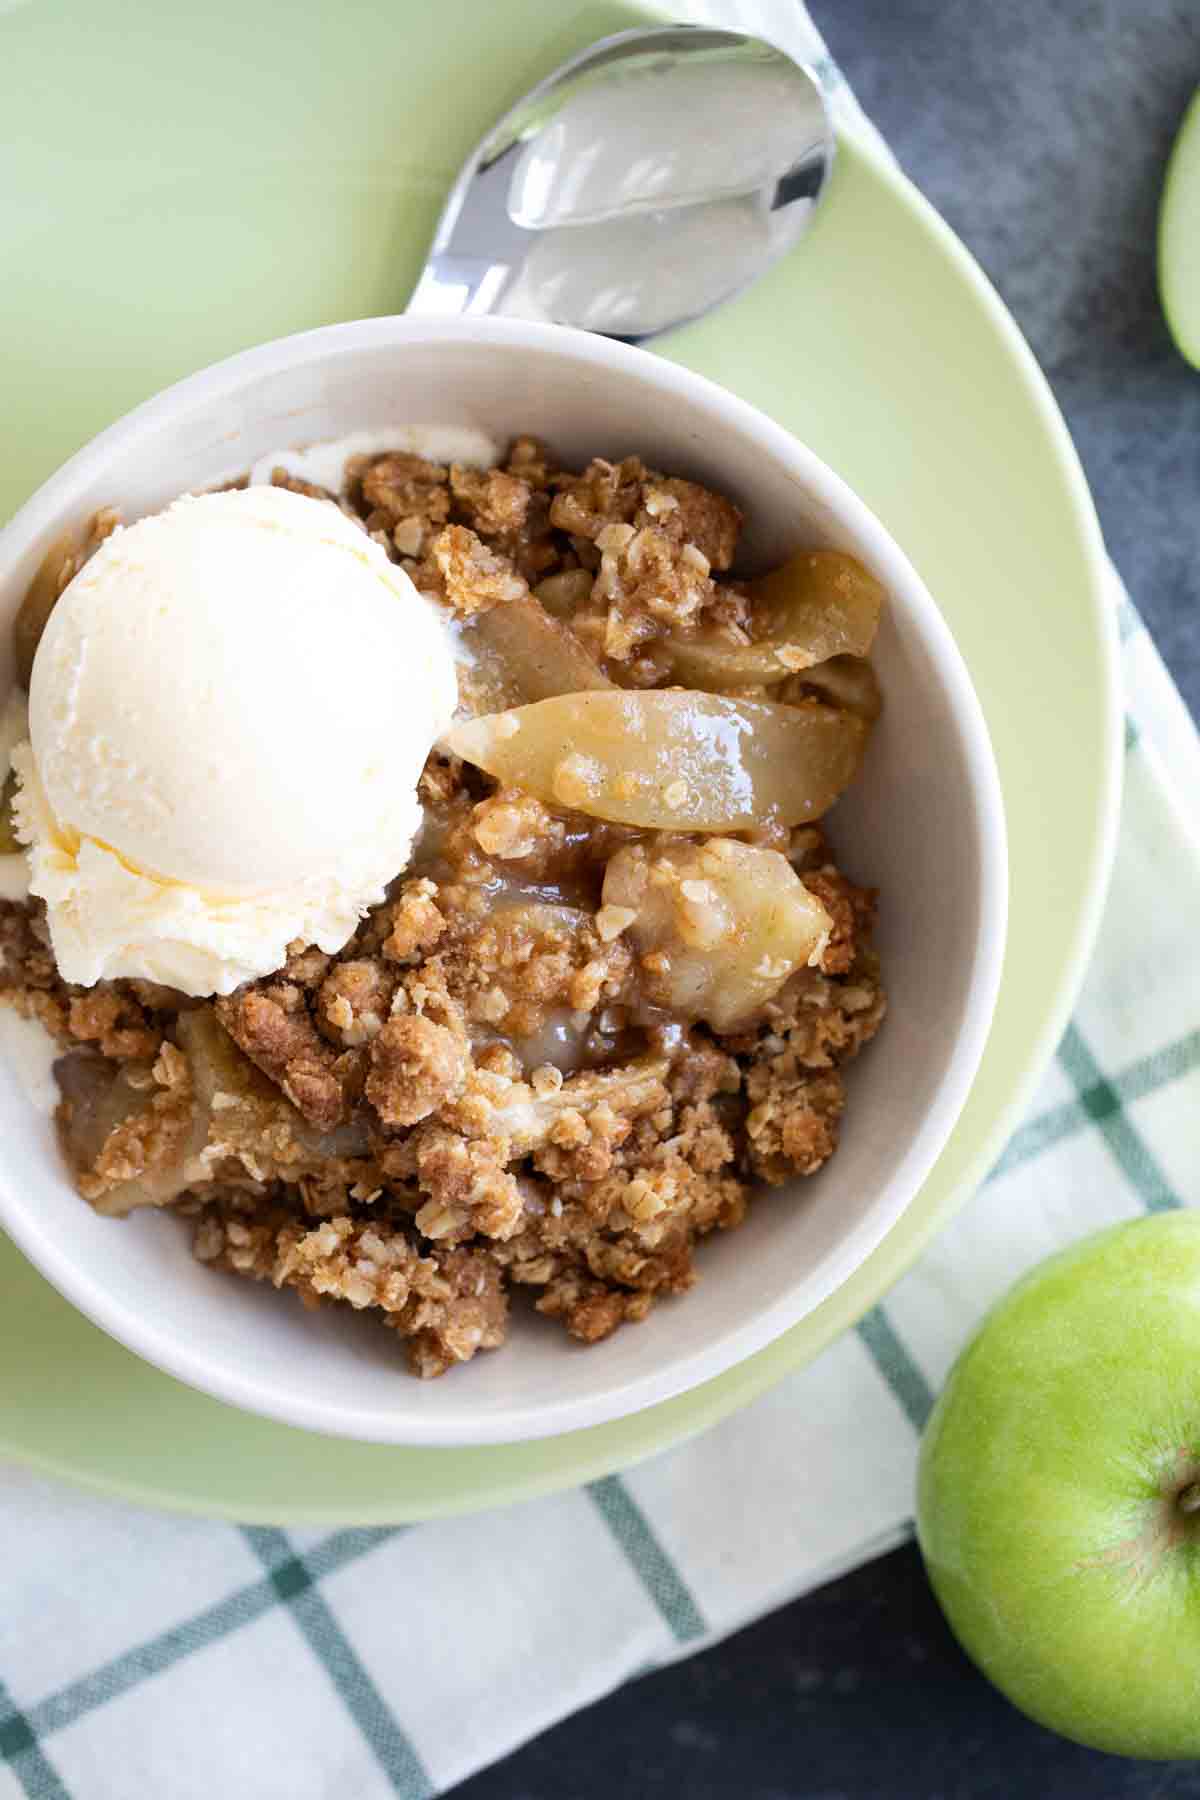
pixel 1058 1504
pixel 1179 237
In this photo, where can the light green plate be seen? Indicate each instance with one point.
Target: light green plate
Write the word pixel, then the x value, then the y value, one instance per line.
pixel 181 181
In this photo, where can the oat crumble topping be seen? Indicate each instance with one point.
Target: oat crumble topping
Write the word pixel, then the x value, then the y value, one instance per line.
pixel 563 1051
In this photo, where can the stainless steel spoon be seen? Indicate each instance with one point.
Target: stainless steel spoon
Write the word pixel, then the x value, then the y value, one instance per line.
pixel 643 183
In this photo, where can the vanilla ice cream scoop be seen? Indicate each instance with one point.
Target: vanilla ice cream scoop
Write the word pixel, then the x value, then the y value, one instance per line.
pixel 229 711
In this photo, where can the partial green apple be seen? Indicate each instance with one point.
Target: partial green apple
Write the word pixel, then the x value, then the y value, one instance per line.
pixel 1179 237
pixel 1058 1503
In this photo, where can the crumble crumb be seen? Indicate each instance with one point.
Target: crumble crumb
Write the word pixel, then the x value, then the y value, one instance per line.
pixel 416 1066
pixel 399 487
pixel 447 1304
pixel 492 500
pixel 272 1023
pixel 693 515
pixel 605 494
pixel 473 577
pixel 354 1001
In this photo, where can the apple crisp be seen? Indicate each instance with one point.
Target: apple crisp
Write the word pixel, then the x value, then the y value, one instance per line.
pixel 610 1002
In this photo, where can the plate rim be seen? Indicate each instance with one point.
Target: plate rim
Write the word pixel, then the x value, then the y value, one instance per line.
pixel 912 1159
pixel 657 1428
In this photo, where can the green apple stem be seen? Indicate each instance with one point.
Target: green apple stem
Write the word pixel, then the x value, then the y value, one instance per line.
pixel 1188 1498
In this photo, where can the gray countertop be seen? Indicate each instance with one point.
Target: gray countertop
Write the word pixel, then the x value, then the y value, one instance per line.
pixel 1040 129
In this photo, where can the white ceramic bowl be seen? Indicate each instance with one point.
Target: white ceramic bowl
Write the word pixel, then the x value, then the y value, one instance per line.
pixel 924 823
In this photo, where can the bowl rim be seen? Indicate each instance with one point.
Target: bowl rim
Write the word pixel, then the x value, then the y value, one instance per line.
pixel 195 1366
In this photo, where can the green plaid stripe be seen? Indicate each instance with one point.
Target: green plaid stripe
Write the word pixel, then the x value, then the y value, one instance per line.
pixel 22 1735
pixel 649 1561
pixel 197 1633
pixel 295 1584
pixel 151 1658
pixel 1099 1101
pixel 347 1546
pixel 292 1580
pixel 22 1751
pixel 1165 1065
pixel 1099 1098
pixel 1102 1103
pixel 1042 1133
pixel 908 1385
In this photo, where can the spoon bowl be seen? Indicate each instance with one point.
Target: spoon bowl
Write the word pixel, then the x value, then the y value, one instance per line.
pixel 643 183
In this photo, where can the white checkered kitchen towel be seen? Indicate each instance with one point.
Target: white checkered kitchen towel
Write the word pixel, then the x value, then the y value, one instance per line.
pixel 145 1655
